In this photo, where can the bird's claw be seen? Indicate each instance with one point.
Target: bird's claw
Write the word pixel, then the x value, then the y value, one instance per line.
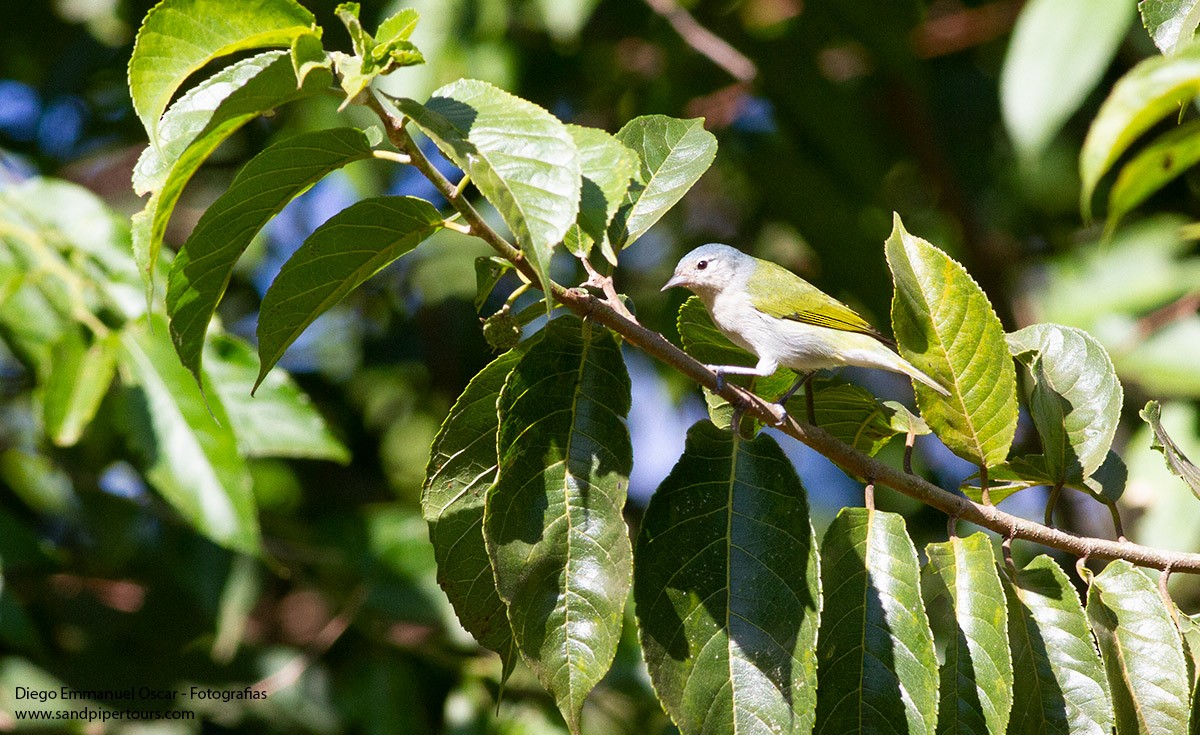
pixel 720 376
pixel 780 412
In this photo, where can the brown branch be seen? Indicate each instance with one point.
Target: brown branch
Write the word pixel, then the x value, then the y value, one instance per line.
pixel 590 306
pixel 704 41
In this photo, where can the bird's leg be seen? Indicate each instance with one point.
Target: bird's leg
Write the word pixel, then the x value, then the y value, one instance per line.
pixel 804 381
pixel 764 368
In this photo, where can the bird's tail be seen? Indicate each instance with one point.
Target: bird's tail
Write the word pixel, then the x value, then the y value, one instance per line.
pixel 913 372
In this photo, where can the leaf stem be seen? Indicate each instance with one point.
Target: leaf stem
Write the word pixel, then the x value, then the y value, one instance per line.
pixel 590 306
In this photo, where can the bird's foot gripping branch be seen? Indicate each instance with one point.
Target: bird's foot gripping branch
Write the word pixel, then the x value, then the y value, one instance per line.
pixel 743 615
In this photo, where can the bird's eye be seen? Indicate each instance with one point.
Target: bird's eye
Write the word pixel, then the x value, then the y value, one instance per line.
pixel 702 265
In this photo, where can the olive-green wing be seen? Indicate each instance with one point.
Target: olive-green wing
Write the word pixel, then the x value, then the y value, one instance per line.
pixel 777 292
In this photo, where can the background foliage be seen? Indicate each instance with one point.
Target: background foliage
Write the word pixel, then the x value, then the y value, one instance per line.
pixel 966 119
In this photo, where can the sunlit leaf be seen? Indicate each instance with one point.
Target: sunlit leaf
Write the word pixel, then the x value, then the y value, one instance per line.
pixel 520 157
pixel 1150 91
pixel 968 614
pixel 1174 456
pixel 195 125
pixel 1059 680
pixel 262 188
pixel 607 167
pixel 1058 52
pixel 1152 168
pixel 674 154
pixel 876 653
pixel 79 378
pixel 945 326
pixel 1171 23
pixel 336 259
pixel 727 589
pixel 178 37
pixel 553 523
pixel 1076 402
pixel 1142 651
pixel 191 455
pixel 280 419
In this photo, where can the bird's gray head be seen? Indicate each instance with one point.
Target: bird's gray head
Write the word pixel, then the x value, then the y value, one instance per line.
pixel 710 268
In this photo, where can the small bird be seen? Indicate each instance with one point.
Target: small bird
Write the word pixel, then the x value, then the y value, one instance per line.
pixel 783 319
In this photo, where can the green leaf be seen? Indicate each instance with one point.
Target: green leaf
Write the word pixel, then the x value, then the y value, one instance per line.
pixel 270 180
pixel 374 57
pixel 854 415
pixel 727 588
pixel 1058 52
pixel 607 167
pixel 79 378
pixel 1059 681
pixel 675 154
pixel 1142 650
pixel 553 524
pixel 308 55
pixel 968 614
pixel 1076 401
pixel 1171 23
pixel 945 326
pixel 38 482
pixel 178 37
pixel 336 259
pixel 398 27
pixel 520 157
pixel 191 455
pixel 489 269
pixel 877 661
pixel 192 129
pixel 1152 168
pixel 280 420
pixel 1150 91
pixel 1178 463
pixel 462 468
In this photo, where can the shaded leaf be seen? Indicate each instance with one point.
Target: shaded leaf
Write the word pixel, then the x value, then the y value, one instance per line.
pixel 945 326
pixel 178 37
pixel 1178 463
pixel 968 614
pixel 191 455
pixel 1058 52
pixel 1146 94
pixel 337 258
pixel 727 589
pixel 1170 23
pixel 262 188
pixel 877 671
pixel 553 524
pixel 607 167
pixel 1152 168
pixel 489 269
pixel 1059 680
pixel 520 157
pixel 195 125
pixel 1142 651
pixel 674 155
pixel 280 420
pixel 1076 402
pixel 462 468
pixel 854 415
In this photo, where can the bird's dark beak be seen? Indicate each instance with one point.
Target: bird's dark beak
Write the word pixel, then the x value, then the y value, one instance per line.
pixel 676 280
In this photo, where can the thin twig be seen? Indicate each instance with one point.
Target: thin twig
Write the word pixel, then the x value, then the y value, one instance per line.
pixel 657 346
pixel 704 41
